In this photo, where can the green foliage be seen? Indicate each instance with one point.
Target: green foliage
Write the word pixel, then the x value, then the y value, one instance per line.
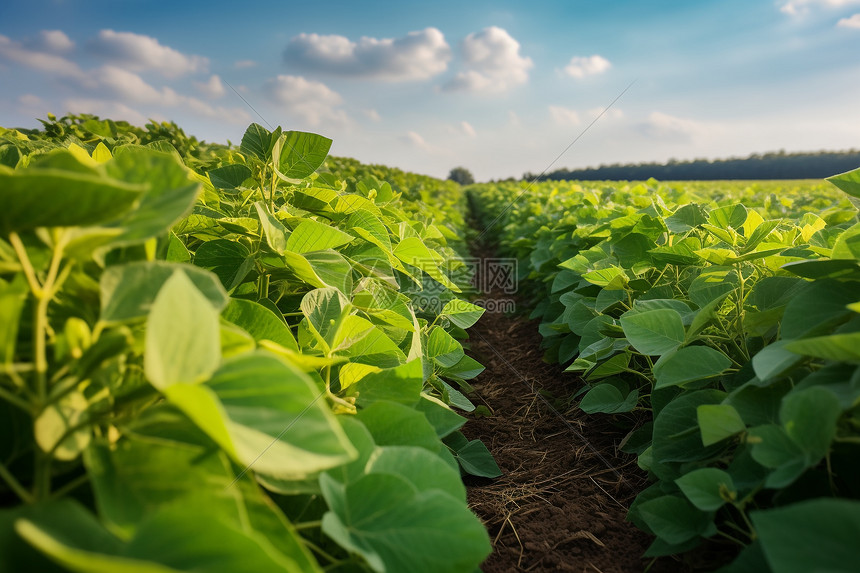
pixel 461 176
pixel 728 312
pixel 224 345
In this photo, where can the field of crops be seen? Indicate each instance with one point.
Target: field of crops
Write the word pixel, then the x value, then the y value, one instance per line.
pixel 727 317
pixel 251 357
pixel 211 358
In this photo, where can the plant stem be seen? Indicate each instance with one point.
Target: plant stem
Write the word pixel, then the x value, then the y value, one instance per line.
pixel 318 550
pixel 15 400
pixel 308 525
pixel 263 287
pixel 42 476
pixel 15 485
pixel 71 486
pixel 15 240
pixel 731 538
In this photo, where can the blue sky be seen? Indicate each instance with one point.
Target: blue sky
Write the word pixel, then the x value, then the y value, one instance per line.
pixel 500 87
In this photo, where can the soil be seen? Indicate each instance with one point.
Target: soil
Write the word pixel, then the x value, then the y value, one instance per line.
pixel 562 500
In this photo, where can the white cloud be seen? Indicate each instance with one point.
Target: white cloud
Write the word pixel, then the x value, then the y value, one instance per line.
pixel 310 100
pixel 140 53
pixel 415 140
pixel 801 7
pixel 30 100
pixel 611 113
pixel 128 87
pixel 563 116
pixel 493 63
pixel 242 64
pixel 664 126
pixel 213 88
pixel 850 22
pixel 38 60
pixel 417 56
pixel 581 66
pixel 372 115
pixel 462 128
pixel 55 41
pixel 513 118
pixel 110 90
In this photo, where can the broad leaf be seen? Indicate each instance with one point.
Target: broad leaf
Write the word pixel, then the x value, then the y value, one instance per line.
pixel 182 340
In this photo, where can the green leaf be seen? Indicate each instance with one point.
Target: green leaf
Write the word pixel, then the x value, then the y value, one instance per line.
pixel 128 291
pixel 81 544
pixel 300 154
pixel 13 295
pixel 654 332
pixel 475 459
pixel 276 233
pixel 813 535
pixel 712 283
pixel 370 228
pixel 707 488
pixel 689 364
pixel 15 553
pixel 268 416
pixel 424 470
pixel 399 384
pixel 676 428
pixel 396 528
pixel 774 361
pixel 260 322
pixel 809 417
pixel 466 369
pixel 844 347
pixel 682 252
pixel 170 195
pixel 612 278
pixel 847 245
pixel 182 340
pixel 165 460
pixel 61 428
pixel 229 176
pixel 818 308
pixel 414 252
pixel 849 182
pixel 330 267
pixel 58 191
pixel 461 313
pixel 230 260
pixel 443 348
pixel 393 424
pixel 257 141
pixel 608 398
pixel 443 419
pixel 686 218
pixel 718 422
pixel 311 235
pixel 773 448
pixel 732 216
pixel 673 519
pixel 325 309
pixel 824 268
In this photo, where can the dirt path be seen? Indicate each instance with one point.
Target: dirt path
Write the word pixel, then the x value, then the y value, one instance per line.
pixel 561 502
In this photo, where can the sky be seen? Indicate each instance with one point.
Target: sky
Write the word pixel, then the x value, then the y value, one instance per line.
pixel 500 87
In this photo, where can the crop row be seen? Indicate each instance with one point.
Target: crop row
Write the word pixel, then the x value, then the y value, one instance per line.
pixel 721 324
pixel 212 358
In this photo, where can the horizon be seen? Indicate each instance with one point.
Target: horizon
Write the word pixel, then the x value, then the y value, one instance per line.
pixel 494 87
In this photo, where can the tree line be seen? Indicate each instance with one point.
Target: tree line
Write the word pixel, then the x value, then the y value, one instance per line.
pixel 774 165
